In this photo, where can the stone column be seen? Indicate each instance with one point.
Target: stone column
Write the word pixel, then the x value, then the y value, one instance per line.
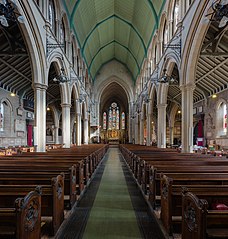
pixel 79 129
pixel 86 129
pixel 66 125
pixel 161 121
pixel 56 134
pixel 136 129
pixel 187 118
pixel 40 117
pixel 148 130
pixel 141 129
pixel 171 135
pixel 130 122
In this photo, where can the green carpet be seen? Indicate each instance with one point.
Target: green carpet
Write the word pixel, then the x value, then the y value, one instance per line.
pixel 112 214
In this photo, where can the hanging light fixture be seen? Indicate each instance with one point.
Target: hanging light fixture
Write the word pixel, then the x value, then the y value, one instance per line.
pixel 61 78
pixel 167 79
pixel 220 12
pixel 7 13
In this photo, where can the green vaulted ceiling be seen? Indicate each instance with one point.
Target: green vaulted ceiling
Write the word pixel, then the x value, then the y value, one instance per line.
pixel 114 29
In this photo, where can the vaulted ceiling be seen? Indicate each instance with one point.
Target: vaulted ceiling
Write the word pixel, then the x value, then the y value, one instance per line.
pixel 120 29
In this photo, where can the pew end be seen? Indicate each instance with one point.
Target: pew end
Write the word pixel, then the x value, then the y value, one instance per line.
pixel 24 220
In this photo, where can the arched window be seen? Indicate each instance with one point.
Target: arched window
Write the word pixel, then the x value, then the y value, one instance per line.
pixel 104 120
pixel 222 119
pixel 52 15
pixel 78 64
pixel 176 13
pixel 155 55
pixel 62 35
pixel 165 36
pixel 5 117
pixel 113 117
pixel 123 120
pixel 72 54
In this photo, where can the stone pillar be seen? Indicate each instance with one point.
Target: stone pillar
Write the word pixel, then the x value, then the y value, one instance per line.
pixel 40 117
pixel 86 130
pixel 130 122
pixel 148 130
pixel 187 118
pixel 56 134
pixel 79 129
pixel 141 129
pixel 161 121
pixel 171 135
pixel 66 125
pixel 136 129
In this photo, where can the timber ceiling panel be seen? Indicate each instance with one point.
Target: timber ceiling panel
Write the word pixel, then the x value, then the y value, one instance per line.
pixel 212 68
pixel 103 24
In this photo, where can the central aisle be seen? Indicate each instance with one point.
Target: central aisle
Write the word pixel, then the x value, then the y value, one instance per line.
pixel 112 206
pixel 112 214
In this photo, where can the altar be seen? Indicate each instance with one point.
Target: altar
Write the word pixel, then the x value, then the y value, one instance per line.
pixel 113 136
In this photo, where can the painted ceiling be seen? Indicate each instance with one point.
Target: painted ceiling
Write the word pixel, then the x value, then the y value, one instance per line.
pixel 114 29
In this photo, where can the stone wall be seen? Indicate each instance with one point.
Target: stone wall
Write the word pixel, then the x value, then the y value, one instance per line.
pixel 14 121
pixel 211 113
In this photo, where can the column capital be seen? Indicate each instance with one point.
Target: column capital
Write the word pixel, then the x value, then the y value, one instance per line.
pixel 40 86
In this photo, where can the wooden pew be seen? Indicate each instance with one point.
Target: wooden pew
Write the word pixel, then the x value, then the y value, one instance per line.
pixel 171 207
pixel 23 218
pixel 52 200
pixel 89 157
pixel 38 174
pixel 190 175
pixel 188 169
pixel 44 178
pixel 199 221
pixel 38 170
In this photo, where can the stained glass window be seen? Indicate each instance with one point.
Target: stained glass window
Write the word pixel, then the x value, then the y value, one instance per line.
pixel 51 15
pixel 104 120
pixel 110 118
pixel 62 34
pixel 113 117
pixel 123 120
pixel 176 12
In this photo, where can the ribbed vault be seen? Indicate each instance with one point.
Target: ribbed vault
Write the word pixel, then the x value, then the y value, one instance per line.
pixel 114 93
pixel 108 29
